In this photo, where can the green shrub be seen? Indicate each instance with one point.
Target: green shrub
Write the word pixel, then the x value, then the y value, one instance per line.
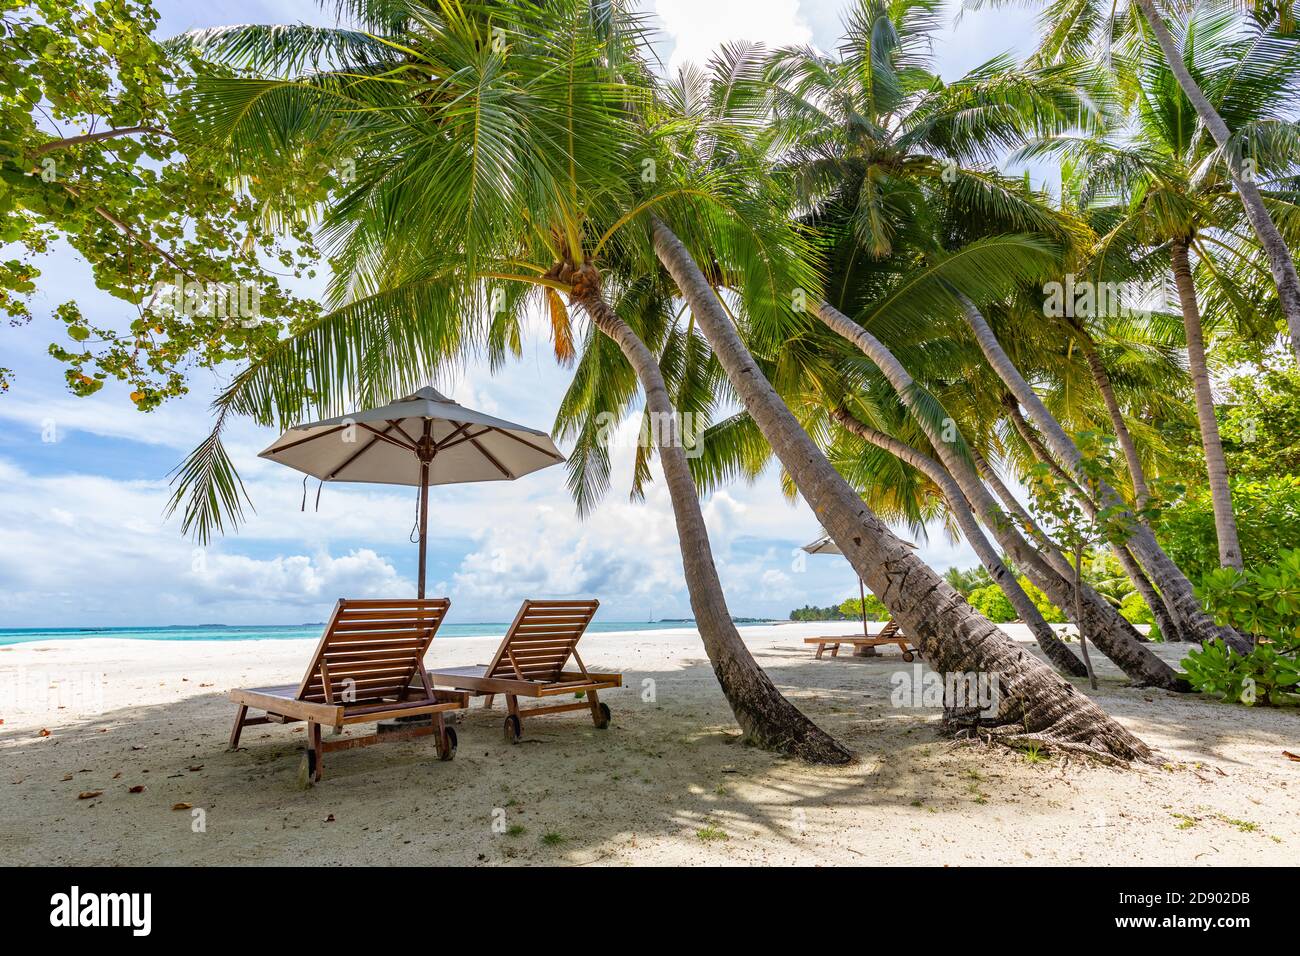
pixel 1134 609
pixel 993 604
pixel 1268 520
pixel 1263 676
pixel 876 610
pixel 1263 602
pixel 1051 613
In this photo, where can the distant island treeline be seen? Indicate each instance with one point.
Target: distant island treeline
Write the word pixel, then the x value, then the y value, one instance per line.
pixel 849 610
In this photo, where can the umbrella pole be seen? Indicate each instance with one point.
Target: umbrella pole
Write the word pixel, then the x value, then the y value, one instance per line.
pixel 862 590
pixel 424 520
pixel 424 450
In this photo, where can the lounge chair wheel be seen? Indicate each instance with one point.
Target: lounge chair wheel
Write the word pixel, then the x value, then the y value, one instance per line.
pixel 448 748
pixel 909 656
pixel 514 730
pixel 604 716
pixel 307 770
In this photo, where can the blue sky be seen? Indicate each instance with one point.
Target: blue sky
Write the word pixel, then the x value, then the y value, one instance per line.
pixel 83 541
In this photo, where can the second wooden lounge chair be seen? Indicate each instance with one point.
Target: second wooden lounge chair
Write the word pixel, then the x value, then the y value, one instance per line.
pixel 530 663
pixel 891 633
pixel 368 667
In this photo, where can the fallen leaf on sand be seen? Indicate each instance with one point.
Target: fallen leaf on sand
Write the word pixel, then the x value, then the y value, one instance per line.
pixel 89 794
pixel 1290 756
pixel 67 777
pixel 43 733
pixel 182 806
pixel 138 788
pixel 330 818
pixel 116 775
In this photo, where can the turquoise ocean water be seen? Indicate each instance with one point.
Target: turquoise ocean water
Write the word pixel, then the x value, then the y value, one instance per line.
pixel 221 632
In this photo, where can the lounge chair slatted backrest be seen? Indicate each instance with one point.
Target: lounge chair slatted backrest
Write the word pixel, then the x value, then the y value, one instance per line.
pixel 373 648
pixel 541 639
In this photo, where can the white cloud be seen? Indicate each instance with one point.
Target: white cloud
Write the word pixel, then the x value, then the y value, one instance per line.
pixel 296 579
pixel 698 28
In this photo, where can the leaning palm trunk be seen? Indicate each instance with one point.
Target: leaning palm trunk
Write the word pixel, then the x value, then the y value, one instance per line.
pixel 1280 263
pixel 1034 703
pixel 1116 638
pixel 766 717
pixel 1225 522
pixel 1051 645
pixel 1101 378
pixel 1165 575
pixel 1141 489
pixel 1168 624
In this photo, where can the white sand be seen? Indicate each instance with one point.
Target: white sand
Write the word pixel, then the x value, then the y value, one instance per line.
pixel 649 790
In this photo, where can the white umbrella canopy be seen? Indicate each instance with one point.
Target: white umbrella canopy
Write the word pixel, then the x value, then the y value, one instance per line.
pixel 383 445
pixel 424 439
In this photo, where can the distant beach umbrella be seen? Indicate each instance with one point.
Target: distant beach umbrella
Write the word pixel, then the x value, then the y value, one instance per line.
pixel 826 545
pixel 424 439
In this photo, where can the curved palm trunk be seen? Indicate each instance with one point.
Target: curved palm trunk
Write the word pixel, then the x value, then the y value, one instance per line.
pixel 1225 522
pixel 1169 626
pixel 766 717
pixel 1116 638
pixel 1165 618
pixel 1280 263
pixel 1166 575
pixel 1034 702
pixel 1051 645
pixel 1100 377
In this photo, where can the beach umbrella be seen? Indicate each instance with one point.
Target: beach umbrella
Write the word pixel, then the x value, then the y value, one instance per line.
pixel 826 545
pixel 424 439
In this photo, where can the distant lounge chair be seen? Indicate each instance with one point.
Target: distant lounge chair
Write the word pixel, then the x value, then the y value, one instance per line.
pixel 368 667
pixel 891 633
pixel 530 663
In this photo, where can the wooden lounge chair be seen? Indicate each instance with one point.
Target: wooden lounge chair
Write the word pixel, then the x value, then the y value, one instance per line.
pixel 891 633
pixel 530 663
pixel 368 667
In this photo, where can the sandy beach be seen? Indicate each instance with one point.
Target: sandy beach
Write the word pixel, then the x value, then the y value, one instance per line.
pixel 667 783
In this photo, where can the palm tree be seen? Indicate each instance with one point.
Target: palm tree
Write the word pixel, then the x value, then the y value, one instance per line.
pixel 1163 188
pixel 872 440
pixel 885 201
pixel 959 507
pixel 736 220
pixel 1117 640
pixel 1180 597
pixel 493 155
pixel 1071 30
pixel 877 147
pixel 1036 704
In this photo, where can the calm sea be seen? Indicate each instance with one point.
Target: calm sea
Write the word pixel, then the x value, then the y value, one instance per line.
pixel 221 632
